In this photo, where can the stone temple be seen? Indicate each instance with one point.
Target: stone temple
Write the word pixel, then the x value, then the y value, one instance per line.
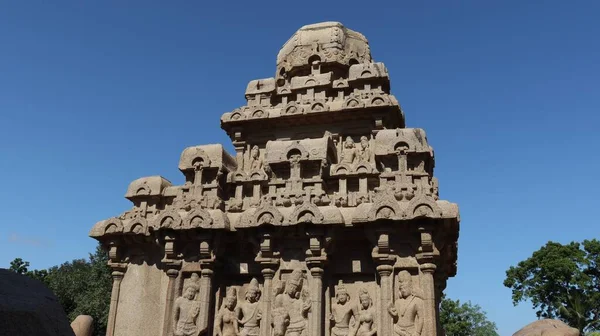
pixel 325 221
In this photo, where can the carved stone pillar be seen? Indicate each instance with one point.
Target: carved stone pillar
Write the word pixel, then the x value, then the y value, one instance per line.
pixel 316 327
pixel 385 299
pixel 429 302
pixel 268 274
pixel 315 261
pixel 167 324
pixel 114 301
pixel 269 260
pixel 426 257
pixel 206 278
pixel 385 261
pixel 172 270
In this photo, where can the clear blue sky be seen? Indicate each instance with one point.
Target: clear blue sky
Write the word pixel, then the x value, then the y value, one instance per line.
pixel 94 94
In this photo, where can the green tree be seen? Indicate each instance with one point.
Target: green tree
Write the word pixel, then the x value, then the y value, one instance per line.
pixel 562 282
pixel 19 266
pixel 465 319
pixel 83 287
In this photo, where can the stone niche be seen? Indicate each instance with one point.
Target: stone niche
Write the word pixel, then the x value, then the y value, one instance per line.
pixel 325 221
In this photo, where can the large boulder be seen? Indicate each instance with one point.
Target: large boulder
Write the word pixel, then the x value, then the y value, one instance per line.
pixel 83 325
pixel 547 327
pixel 28 308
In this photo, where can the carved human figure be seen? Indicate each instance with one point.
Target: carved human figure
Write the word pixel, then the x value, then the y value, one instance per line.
pixel 407 311
pixel 256 162
pixel 226 320
pixel 185 311
pixel 365 315
pixel 364 153
pixel 295 304
pixel 280 318
pixel 249 312
pixel 341 312
pixel 348 152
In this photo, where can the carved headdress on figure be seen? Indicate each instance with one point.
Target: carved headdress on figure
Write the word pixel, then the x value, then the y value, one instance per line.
pixel 253 288
pixel 296 277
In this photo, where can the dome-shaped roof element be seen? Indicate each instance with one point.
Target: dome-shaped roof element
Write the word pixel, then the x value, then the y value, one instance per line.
pixel 327 42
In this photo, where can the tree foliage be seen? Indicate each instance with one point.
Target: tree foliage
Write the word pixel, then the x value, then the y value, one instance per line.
pixel 561 281
pixel 465 319
pixel 83 287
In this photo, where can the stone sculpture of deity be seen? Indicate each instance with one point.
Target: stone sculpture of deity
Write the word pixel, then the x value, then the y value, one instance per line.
pixel 185 312
pixel 226 321
pixel 348 152
pixel 292 305
pixel 407 311
pixel 365 154
pixel 365 315
pixel 341 312
pixel 256 162
pixel 249 312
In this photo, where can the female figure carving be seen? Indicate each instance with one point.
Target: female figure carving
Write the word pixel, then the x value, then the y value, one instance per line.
pixel 226 320
pixel 365 315
pixel 341 312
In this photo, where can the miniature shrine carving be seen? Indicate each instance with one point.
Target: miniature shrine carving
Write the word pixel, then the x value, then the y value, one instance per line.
pixel 325 221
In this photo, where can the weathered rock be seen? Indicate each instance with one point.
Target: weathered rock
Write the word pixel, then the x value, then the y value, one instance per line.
pixel 28 308
pixel 326 179
pixel 547 327
pixel 83 325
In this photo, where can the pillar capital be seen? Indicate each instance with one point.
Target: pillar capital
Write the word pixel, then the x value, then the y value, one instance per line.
pixel 428 267
pixel 385 269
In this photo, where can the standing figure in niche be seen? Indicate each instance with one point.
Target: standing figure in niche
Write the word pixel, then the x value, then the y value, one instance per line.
pixel 280 319
pixel 348 152
pixel 226 320
pixel 249 311
pixel 255 162
pixel 407 311
pixel 185 312
pixel 364 153
pixel 341 312
pixel 295 305
pixel 365 315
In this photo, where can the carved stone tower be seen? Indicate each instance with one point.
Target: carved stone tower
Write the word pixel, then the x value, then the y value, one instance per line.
pixel 326 221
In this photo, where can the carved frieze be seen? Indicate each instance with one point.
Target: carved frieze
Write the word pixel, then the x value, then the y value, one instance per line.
pixel 326 187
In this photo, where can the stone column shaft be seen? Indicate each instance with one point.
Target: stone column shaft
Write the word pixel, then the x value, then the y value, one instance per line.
pixel 268 274
pixel 316 325
pixel 204 298
pixel 114 302
pixel 167 324
pixel 429 303
pixel 385 300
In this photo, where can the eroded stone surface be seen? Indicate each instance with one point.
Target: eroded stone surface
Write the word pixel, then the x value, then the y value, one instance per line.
pixel 547 327
pixel 326 220
pixel 83 325
pixel 27 307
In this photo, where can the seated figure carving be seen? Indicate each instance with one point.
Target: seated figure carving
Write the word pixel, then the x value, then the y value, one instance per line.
pixel 407 311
